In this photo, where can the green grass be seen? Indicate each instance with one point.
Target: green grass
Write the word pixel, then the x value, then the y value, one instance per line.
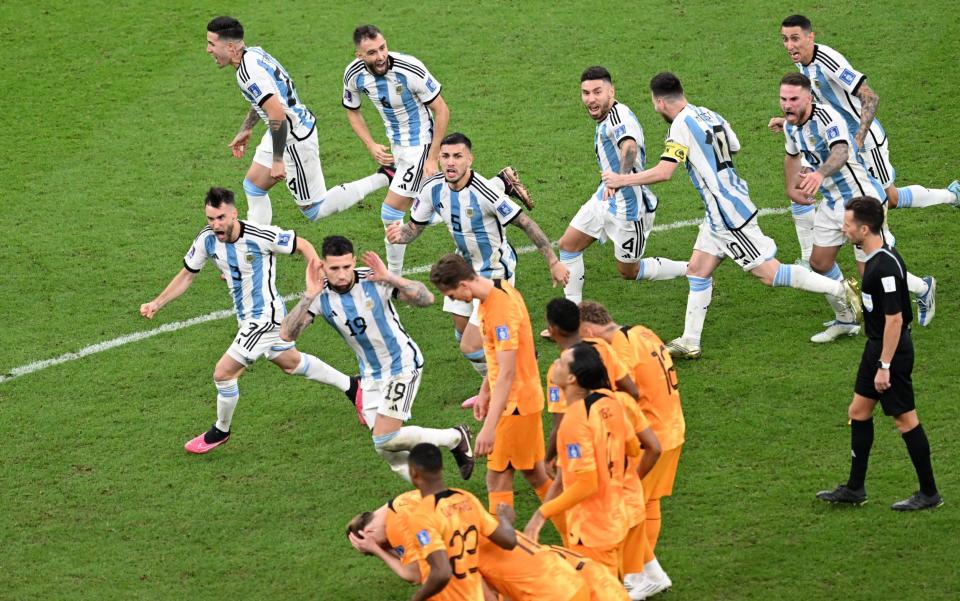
pixel 118 122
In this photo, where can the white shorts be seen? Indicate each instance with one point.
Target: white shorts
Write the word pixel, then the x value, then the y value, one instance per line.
pixel 465 309
pixel 257 339
pixel 629 237
pixel 748 246
pixel 409 161
pixel 392 396
pixel 878 164
pixel 828 229
pixel 302 160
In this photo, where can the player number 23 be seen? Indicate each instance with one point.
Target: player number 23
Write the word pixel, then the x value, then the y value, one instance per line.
pixel 467 542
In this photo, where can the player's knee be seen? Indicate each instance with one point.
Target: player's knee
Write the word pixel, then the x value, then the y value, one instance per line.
pixel 628 271
pixel 311 212
pixel 386 444
pixel 820 264
pixel 469 347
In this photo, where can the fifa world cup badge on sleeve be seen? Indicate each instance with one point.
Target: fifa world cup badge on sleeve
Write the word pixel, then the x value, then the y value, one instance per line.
pixel 553 394
pixel 503 209
pixel 833 132
pixel 423 537
pixel 847 76
pixel 573 451
pixel 619 130
pixel 283 239
pixel 503 333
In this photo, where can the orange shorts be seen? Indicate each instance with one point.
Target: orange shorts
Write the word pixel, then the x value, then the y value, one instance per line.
pixel 659 481
pixel 608 557
pixel 518 443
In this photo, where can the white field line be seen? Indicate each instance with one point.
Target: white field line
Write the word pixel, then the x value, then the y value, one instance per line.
pixel 99 347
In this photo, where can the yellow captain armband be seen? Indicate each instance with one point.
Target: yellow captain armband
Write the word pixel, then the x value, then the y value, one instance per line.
pixel 675 152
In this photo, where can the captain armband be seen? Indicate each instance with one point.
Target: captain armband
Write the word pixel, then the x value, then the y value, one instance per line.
pixel 675 152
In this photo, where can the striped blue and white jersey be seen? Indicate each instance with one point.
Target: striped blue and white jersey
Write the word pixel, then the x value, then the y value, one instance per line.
pixel 368 321
pixel 249 265
pixel 835 82
pixel 260 76
pixel 704 142
pixel 401 95
pixel 477 217
pixel 630 202
pixel 813 140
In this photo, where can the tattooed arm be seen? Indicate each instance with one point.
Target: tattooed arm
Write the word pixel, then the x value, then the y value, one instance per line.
pixel 238 146
pixel 406 233
pixel 299 318
pixel 868 108
pixel 628 155
pixel 277 123
pixel 810 182
pixel 558 271
pixel 409 291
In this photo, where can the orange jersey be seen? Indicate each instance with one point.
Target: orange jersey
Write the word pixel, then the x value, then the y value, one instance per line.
pixel 656 377
pixel 399 535
pixel 593 437
pixel 528 572
pixel 603 585
pixel 632 485
pixel 505 325
pixel 454 521
pixel 616 370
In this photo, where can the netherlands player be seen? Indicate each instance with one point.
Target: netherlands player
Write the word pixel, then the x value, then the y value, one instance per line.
pixel 414 115
pixel 245 254
pixel 511 399
pixel 818 133
pixel 704 142
pixel 653 370
pixel 476 212
pixel 838 84
pixel 358 304
pixel 289 150
pixel 594 441
pixel 626 217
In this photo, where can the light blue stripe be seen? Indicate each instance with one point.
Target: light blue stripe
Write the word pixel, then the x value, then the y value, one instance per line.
pixel 569 255
pixel 743 211
pixel 784 276
pixel 361 339
pixel 905 196
pixel 253 189
pixel 312 212
pixel 236 286
pixel 799 209
pixel 413 114
pixel 254 250
pixel 386 332
pixel 482 237
pixel 474 356
pixel 388 213
pixel 389 113
pixel 835 273
pixel 382 439
pixel 698 284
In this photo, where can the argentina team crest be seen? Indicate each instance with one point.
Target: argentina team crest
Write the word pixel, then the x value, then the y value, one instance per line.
pixel 248 257
pixel 398 89
pixel 470 212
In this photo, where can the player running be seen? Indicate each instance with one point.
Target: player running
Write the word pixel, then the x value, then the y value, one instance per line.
pixel 358 304
pixel 704 142
pixel 245 254
pixel 289 150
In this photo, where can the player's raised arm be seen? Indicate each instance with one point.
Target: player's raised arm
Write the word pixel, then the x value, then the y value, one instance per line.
pixel 441 116
pixel 297 320
pixel 868 108
pixel 558 271
pixel 411 292
pixel 177 286
pixel 303 246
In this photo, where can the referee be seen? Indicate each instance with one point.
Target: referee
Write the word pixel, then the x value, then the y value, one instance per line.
pixel 886 365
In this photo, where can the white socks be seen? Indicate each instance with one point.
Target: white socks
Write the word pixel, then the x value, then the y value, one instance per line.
pixel 227 396
pixel 314 369
pixel 395 447
pixel 259 209
pixel 916 285
pixel 918 197
pixel 395 252
pixel 660 268
pixel 574 262
pixel 803 221
pixel 698 300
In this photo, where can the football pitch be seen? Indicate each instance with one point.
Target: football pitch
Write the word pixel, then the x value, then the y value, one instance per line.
pixel 118 122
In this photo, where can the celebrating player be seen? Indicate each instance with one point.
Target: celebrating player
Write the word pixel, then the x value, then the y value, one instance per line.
pixel 476 212
pixel 406 94
pixel 245 254
pixel 705 143
pixel 358 304
pixel 625 217
pixel 510 400
pixel 289 150
pixel 819 133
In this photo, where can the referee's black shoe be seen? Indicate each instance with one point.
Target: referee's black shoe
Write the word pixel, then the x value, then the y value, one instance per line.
pixel 918 501
pixel 842 494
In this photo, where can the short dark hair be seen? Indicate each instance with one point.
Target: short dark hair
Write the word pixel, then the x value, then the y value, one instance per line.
pixel 457 138
pixel 595 313
pixel 564 314
pixel 336 246
pixel 666 85
pixel 365 32
pixel 867 211
pixel 798 21
pixel 450 270
pixel 588 367
pixel 797 79
pixel 359 522
pixel 426 457
pixel 227 28
pixel 596 72
pixel 219 196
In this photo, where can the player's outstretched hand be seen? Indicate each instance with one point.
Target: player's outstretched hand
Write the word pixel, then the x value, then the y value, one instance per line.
pixel 238 145
pixel 150 309
pixel 314 277
pixel 278 171
pixel 376 265
pixel 560 274
pixel 534 526
pixel 776 124
pixel 393 232
pixel 381 154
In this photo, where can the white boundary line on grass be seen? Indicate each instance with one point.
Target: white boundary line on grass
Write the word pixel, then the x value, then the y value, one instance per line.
pixel 99 347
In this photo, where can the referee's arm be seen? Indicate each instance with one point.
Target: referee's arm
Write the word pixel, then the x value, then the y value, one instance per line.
pixel 891 338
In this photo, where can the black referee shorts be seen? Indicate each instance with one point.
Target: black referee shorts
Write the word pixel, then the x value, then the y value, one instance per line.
pixel 898 399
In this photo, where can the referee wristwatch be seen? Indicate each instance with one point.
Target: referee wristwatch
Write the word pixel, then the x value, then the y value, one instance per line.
pixel 882 365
